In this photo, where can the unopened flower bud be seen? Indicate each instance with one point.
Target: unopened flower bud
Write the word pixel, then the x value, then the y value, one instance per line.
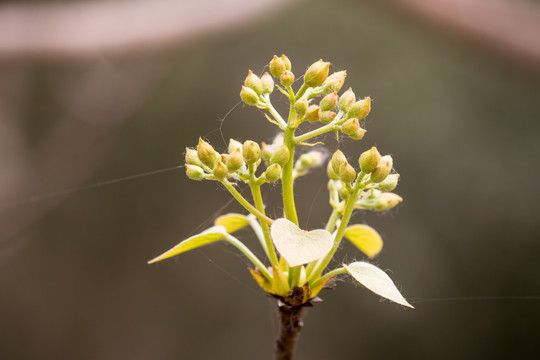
pixel 220 171
pixel 360 109
pixel 328 116
pixel 337 160
pixel 251 152
pixel 249 96
pixel 346 100
pixel 309 160
pixel 272 173
pixel 192 158
pixel 267 83
pixel 277 66
pixel 390 183
pixel 286 61
pixel 287 78
pixel 317 73
pixel 206 153
pixel 352 128
pixel 343 192
pixel 329 102
pixel 266 152
pixel 233 145
pixel 369 160
pixel 313 113
pixel 235 160
pixel 347 173
pixel 331 173
pixel 383 169
pixel 254 82
pixel 335 82
pixel 194 172
pixel 281 156
pixel 387 160
pixel 300 107
pixel 387 201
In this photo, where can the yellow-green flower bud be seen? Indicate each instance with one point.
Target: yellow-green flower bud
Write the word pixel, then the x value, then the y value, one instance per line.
pixel 343 192
pixel 233 145
pixel 328 116
pixel 387 201
pixel 360 109
pixel 313 113
pixel 300 107
pixel 317 73
pixel 383 169
pixel 335 82
pixel 249 96
pixel 346 100
pixel 286 61
pixel 277 66
pixel 287 78
pixel 267 83
pixel 254 82
pixel 251 152
pixel 331 173
pixel 369 160
pixel 352 128
pixel 220 171
pixel 329 102
pixel 206 153
pixel 347 173
pixel 390 183
pixel 194 172
pixel 235 160
pixel 192 158
pixel 281 156
pixel 337 160
pixel 309 160
pixel 272 173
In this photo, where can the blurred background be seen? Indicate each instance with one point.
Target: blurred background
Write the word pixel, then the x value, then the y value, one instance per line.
pixel 93 92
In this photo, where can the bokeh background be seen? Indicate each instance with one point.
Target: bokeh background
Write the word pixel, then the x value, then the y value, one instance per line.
pixel 97 91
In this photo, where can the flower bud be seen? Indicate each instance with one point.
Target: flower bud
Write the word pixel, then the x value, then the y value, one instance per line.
pixel 382 170
pixel 267 83
pixel 281 156
pixel 287 78
pixel 360 109
pixel 352 128
pixel 369 160
pixel 220 171
pixel 206 153
pixel 277 66
pixel 286 61
pixel 254 82
pixel 387 201
pixel 337 160
pixel 300 107
pixel 329 102
pixel 251 152
pixel 191 157
pixel 347 173
pixel 346 100
pixel 249 96
pixel 390 183
pixel 194 172
pixel 233 145
pixel 313 113
pixel 317 73
pixel 343 192
pixel 387 161
pixel 328 116
pixel 331 173
pixel 309 160
pixel 266 152
pixel 235 160
pixel 335 82
pixel 272 173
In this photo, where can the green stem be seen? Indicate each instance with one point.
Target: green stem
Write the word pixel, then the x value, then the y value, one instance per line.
pixel 257 198
pixel 287 179
pixel 331 224
pixel 329 275
pixel 238 244
pixel 301 91
pixel 276 115
pixel 257 229
pixel 323 129
pixel 246 204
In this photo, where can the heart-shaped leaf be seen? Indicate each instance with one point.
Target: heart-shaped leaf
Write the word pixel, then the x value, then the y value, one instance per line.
pixel 365 238
pixel 208 236
pixel 232 222
pixel 377 281
pixel 298 246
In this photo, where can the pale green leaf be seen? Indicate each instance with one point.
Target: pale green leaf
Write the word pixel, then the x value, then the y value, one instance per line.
pixel 298 246
pixel 365 238
pixel 232 222
pixel 208 236
pixel 377 281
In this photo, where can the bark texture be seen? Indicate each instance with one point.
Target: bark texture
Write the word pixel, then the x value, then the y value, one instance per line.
pixel 290 320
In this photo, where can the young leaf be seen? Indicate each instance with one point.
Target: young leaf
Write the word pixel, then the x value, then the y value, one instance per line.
pixel 377 281
pixel 298 246
pixel 208 236
pixel 365 238
pixel 232 222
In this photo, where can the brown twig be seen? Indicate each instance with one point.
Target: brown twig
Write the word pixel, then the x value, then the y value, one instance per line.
pixel 290 320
